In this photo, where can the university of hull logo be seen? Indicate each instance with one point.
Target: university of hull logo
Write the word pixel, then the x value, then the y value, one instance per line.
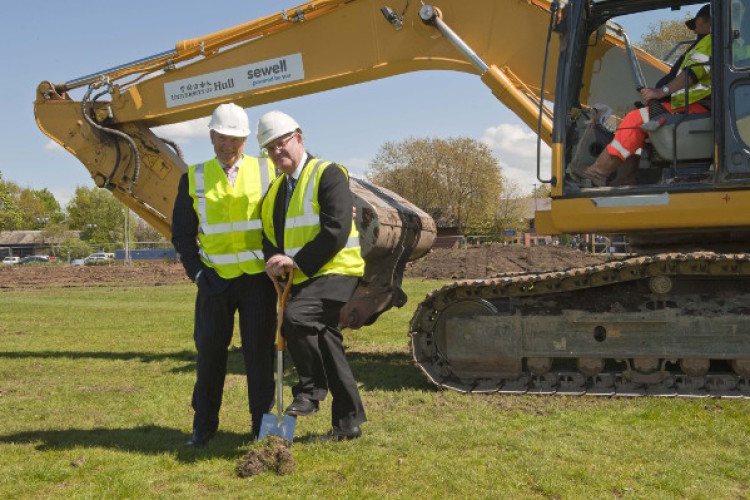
pixel 234 80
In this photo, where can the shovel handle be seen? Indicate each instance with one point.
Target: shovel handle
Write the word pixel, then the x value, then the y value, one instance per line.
pixel 283 297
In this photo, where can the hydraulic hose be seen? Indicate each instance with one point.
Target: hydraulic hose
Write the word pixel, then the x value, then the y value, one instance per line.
pixel 87 102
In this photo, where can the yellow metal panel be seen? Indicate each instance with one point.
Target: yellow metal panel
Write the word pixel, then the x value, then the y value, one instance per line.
pixel 557 169
pixel 684 211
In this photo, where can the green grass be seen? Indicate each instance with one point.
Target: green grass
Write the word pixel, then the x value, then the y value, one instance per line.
pixel 95 388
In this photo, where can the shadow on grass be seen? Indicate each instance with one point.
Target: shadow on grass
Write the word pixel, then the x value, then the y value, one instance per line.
pixel 149 439
pixel 388 371
pixel 235 363
pixel 143 357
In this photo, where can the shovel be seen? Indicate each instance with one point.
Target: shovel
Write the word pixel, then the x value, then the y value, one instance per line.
pixel 279 425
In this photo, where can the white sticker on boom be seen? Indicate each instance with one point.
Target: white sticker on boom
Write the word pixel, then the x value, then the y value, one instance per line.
pixel 234 80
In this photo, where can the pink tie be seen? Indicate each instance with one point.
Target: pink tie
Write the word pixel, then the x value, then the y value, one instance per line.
pixel 231 174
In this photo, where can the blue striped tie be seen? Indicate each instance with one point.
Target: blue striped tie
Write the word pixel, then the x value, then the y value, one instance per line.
pixel 291 182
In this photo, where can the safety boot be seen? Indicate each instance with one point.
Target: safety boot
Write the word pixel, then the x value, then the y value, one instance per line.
pixel 626 172
pixel 600 170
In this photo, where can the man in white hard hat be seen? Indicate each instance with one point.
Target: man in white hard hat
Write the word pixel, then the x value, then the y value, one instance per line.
pixel 216 229
pixel 308 229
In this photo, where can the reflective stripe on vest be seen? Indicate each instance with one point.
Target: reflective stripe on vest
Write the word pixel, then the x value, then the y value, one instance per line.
pixel 231 258
pixel 352 242
pixel 230 228
pixel 302 224
pixel 696 60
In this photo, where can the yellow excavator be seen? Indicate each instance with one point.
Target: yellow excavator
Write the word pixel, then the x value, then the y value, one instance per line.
pixel 671 321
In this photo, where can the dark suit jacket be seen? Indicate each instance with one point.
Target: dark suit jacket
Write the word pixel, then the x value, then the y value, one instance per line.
pixel 184 234
pixel 336 203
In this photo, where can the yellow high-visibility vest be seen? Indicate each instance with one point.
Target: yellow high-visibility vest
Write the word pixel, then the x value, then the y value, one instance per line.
pixel 697 60
pixel 230 234
pixel 302 224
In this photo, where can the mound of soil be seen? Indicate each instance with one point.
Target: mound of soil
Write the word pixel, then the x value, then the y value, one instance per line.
pixel 492 260
pixel 272 453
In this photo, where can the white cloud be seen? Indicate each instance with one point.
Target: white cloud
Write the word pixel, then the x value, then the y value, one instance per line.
pixel 515 149
pixel 53 146
pixel 356 166
pixel 183 132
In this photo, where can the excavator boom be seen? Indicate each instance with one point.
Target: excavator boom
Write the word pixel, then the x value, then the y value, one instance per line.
pixel 316 46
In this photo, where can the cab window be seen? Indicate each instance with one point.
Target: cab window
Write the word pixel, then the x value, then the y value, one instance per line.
pixel 741 33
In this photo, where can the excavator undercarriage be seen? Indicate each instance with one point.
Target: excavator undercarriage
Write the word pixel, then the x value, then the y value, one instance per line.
pixel 669 325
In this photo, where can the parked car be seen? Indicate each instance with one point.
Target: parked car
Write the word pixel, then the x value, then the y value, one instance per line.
pixel 32 259
pixel 9 261
pixel 99 258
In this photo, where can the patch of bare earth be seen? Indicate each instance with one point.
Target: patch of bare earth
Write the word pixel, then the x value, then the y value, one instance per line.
pixel 491 260
pixel 484 261
pixel 45 276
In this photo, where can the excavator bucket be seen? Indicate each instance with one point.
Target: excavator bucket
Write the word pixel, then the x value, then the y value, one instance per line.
pixel 392 232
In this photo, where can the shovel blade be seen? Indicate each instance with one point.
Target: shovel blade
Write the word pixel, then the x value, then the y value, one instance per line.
pixel 277 426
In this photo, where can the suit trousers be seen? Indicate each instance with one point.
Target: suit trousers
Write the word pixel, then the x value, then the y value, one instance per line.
pixel 316 345
pixel 255 299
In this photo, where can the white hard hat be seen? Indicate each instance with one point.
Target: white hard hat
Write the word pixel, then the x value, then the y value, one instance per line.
pixel 273 125
pixel 230 119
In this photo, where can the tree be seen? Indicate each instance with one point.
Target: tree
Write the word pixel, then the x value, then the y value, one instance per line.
pixel 541 191
pixel 52 206
pixel 97 214
pixel 26 208
pixel 456 180
pixel 10 214
pixel 142 232
pixel 38 208
pixel 511 207
pixel 661 38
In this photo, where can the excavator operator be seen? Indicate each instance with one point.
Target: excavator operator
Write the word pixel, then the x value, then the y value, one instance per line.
pixel 620 155
pixel 218 203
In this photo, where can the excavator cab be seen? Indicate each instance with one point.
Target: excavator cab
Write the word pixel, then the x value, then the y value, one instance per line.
pixel 678 147
pixel 691 174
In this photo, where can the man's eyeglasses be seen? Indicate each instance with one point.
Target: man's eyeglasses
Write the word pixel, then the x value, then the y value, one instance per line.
pixel 280 143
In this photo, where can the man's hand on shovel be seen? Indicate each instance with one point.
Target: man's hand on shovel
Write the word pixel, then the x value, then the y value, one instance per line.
pixel 279 265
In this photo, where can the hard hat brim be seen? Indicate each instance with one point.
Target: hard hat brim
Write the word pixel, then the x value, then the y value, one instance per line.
pixel 232 132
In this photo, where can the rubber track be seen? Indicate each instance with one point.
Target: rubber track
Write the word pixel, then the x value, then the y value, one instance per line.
pixel 437 369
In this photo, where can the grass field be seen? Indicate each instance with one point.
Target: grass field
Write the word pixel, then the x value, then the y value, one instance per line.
pixel 95 388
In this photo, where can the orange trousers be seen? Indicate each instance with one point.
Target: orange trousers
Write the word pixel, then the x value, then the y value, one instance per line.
pixel 629 136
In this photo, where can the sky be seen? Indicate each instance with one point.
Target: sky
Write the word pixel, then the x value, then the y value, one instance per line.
pixel 347 125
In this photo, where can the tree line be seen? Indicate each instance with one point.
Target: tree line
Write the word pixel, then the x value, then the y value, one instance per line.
pixel 95 213
pixel 457 181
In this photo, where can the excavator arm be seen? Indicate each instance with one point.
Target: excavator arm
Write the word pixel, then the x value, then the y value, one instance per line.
pixel 317 46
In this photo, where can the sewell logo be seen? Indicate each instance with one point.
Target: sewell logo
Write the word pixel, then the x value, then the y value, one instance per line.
pixel 234 80
pixel 270 74
pixel 275 69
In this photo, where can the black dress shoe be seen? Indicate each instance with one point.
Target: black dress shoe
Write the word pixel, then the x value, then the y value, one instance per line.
pixel 302 407
pixel 200 439
pixel 342 434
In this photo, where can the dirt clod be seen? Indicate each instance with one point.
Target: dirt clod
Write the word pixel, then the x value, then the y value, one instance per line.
pixel 272 453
